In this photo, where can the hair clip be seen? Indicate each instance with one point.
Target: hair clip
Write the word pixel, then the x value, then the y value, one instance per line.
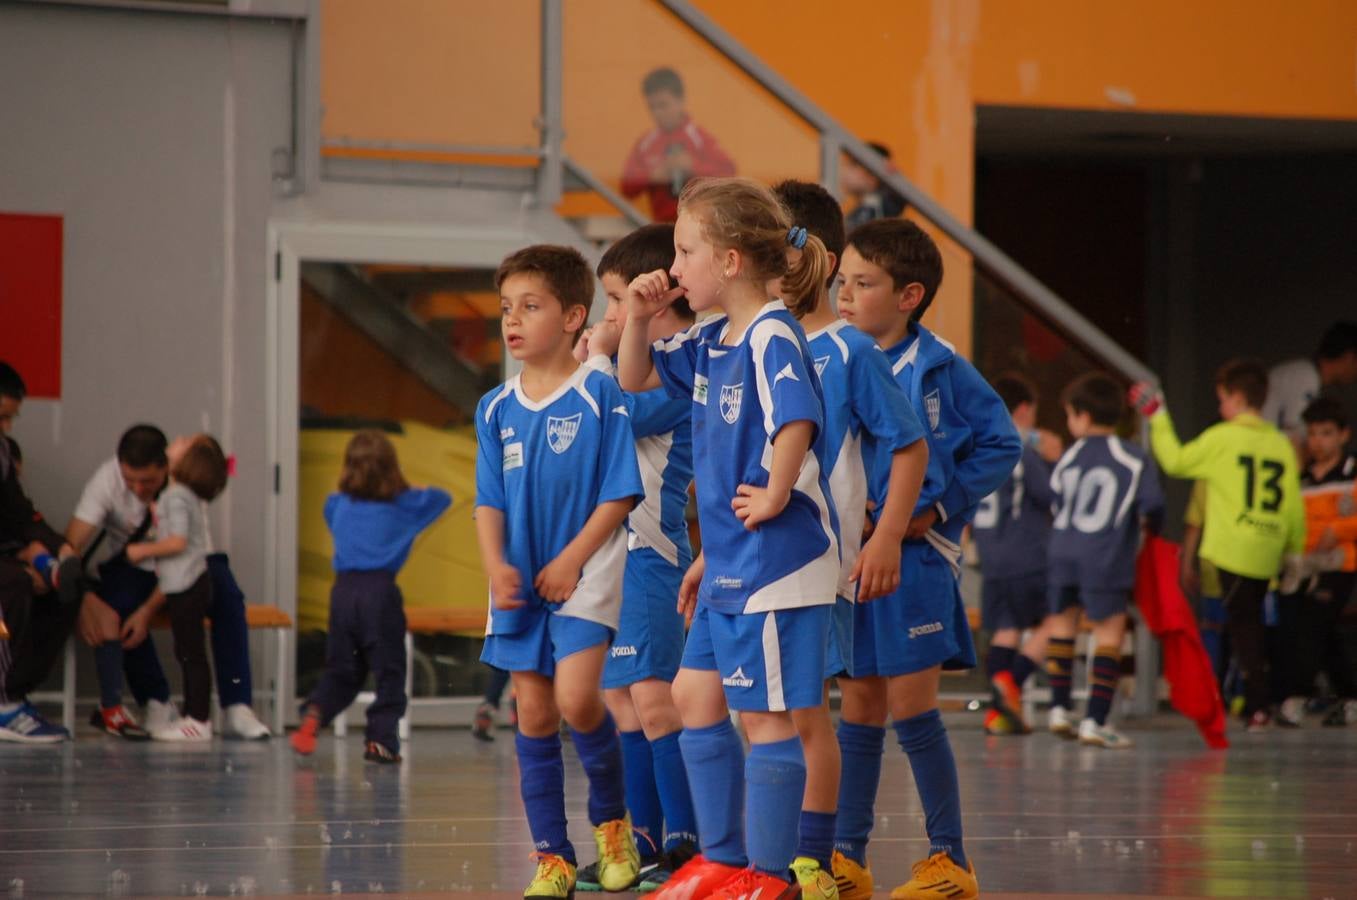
pixel 797 237
pixel 231 466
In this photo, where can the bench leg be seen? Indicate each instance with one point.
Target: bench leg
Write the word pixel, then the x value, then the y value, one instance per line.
pixel 280 678
pixel 341 724
pixel 68 688
pixel 404 728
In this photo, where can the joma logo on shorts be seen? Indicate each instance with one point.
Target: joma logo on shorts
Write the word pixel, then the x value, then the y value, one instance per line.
pixel 623 651
pixel 921 630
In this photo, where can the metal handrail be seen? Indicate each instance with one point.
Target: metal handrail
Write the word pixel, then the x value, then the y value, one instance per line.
pixel 834 138
pixel 595 184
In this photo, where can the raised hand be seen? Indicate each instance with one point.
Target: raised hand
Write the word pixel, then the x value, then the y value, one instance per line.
pixel 650 293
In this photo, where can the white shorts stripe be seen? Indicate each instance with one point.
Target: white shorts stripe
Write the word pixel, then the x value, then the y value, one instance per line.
pixel 772 664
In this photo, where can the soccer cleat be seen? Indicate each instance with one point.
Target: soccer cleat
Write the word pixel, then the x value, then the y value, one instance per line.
pixel 25 725
pixel 1259 722
pixel 939 878
pixel 666 864
pixel 1058 722
pixel 376 752
pixel 816 883
pixel 1344 713
pixel 1105 736
pixel 185 730
pixel 854 881
pixel 996 724
pixel 555 877
pixel 586 878
pixel 243 725
pixel 1008 701
pixel 619 862
pixel 160 715
pixel 118 722
pixel 303 740
pixel 483 729
pixel 1291 714
pixel 696 878
pixel 751 884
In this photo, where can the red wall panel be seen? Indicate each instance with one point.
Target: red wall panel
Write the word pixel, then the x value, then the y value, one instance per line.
pixel 30 300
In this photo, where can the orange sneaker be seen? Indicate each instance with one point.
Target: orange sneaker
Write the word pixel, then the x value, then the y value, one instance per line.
pixel 1008 701
pixel 997 724
pixel 939 878
pixel 303 740
pixel 751 884
pixel 696 878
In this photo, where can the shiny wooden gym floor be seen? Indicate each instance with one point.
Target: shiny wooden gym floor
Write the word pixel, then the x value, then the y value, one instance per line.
pixel 1274 816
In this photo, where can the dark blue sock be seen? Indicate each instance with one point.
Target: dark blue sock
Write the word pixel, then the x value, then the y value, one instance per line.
pixel 817 837
pixel 776 778
pixel 714 758
pixel 1023 667
pixel 680 824
pixel 541 781
pixel 108 661
pixel 601 754
pixel 999 659
pixel 861 747
pixel 924 739
pixel 643 798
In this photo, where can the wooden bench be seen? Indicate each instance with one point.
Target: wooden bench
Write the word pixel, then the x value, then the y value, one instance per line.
pixel 422 620
pixel 257 616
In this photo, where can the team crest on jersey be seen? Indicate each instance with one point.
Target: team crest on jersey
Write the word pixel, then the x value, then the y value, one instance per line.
pixel 731 396
pixel 820 363
pixel 561 431
pixel 933 407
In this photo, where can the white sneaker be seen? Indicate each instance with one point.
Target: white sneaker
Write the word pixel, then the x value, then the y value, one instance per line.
pixel 241 722
pixel 1090 732
pixel 159 716
pixel 185 730
pixel 1058 722
pixel 1292 712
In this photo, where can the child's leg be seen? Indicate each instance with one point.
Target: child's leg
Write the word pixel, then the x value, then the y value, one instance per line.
pixel 862 741
pixel 1060 654
pixel 713 755
pixel 101 619
pixel 384 649
pixel 638 771
pixel 541 769
pixel 820 802
pixel 775 775
pixel 230 635
pixel 1243 598
pixel 918 726
pixel 595 734
pixel 1106 670
pixel 345 666
pixel 661 723
pixel 187 610
pixel 1033 651
pixel 494 685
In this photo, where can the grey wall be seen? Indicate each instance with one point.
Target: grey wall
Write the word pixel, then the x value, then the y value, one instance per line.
pixel 151 135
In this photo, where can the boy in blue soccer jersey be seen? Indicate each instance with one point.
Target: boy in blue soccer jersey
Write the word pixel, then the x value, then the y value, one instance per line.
pixel 1105 489
pixel 645 654
pixel 1011 529
pixel 556 476
pixel 867 416
pixel 769 531
pixel 901 643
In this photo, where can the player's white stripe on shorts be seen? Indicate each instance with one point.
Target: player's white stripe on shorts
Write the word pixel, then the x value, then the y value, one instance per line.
pixel 772 664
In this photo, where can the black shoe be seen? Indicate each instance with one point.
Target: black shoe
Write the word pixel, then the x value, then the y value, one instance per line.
pixel 586 878
pixel 669 863
pixel 380 753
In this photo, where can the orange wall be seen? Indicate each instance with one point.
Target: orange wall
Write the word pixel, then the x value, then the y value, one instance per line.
pixel 906 72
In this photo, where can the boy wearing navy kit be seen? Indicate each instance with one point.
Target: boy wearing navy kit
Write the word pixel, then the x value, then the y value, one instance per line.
pixel 902 642
pixel 556 477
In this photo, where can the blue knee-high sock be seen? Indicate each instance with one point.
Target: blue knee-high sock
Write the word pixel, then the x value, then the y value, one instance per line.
pixel 680 823
pixel 862 747
pixel 601 754
pixel 643 797
pixel 541 781
pixel 924 739
pixel 108 662
pixel 776 777
pixel 714 758
pixel 817 837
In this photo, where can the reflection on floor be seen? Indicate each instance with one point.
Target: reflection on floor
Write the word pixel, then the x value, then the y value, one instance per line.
pixel 1275 816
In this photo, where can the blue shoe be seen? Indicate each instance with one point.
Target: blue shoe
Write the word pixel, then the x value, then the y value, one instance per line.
pixel 26 726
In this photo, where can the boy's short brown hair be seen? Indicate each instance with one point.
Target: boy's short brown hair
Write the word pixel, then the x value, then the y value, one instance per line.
pixel 1244 376
pixel 1015 389
pixel 371 470
pixel 907 254
pixel 1098 394
pixel 564 270
pixel 203 468
pixel 646 249
pixel 815 209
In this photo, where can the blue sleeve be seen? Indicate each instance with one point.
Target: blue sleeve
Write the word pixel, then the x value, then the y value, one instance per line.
pixel 619 475
pixel 489 461
pixel 331 508
pixel 655 412
pixel 786 391
pixel 878 402
pixel 996 447
pixel 424 505
pixel 675 362
pixel 1036 478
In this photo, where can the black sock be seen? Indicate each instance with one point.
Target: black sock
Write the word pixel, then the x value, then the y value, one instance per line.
pixel 1023 667
pixel 999 659
pixel 108 660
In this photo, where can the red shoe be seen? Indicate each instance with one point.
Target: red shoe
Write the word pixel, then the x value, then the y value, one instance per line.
pixel 751 884
pixel 696 879
pixel 303 740
pixel 1008 701
pixel 116 720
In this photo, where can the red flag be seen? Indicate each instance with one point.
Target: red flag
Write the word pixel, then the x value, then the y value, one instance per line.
pixel 1192 682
